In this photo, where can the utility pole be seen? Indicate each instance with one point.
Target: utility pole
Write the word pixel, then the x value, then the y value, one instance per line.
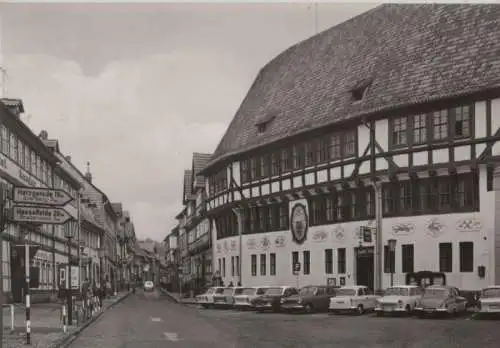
pixel 4 205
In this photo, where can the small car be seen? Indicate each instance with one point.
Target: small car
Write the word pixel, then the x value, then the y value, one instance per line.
pixel 225 299
pixel 149 286
pixel 206 300
pixel 311 298
pixel 357 298
pixel 271 300
pixel 244 300
pixel 399 299
pixel 441 299
pixel 489 300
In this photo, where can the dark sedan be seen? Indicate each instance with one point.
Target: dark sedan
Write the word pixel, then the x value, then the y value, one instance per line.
pixel 271 300
pixel 311 298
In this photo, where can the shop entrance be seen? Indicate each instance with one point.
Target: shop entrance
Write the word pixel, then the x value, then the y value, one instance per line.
pixel 364 266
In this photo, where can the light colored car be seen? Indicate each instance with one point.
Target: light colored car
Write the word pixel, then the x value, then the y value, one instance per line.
pixel 225 299
pixel 148 285
pixel 206 299
pixel 356 298
pixel 399 299
pixel 489 300
pixel 247 295
pixel 441 299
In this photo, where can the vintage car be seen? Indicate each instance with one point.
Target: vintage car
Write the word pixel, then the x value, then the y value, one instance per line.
pixel 310 299
pixel 271 300
pixel 226 299
pixel 356 298
pixel 244 299
pixel 489 300
pixel 441 299
pixel 399 299
pixel 206 299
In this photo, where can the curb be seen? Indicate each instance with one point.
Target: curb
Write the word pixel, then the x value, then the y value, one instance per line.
pixel 185 303
pixel 65 341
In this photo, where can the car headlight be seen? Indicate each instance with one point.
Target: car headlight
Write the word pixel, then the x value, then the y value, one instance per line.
pixel 282 300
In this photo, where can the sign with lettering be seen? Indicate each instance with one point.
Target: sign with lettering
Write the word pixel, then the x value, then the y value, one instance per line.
pixel 32 195
pixel 40 215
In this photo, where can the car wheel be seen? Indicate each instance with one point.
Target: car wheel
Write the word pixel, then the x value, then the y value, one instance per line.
pixel 360 309
pixel 309 308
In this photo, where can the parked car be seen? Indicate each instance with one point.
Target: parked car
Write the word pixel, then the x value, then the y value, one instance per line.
pixel 356 298
pixel 399 299
pixel 271 299
pixel 245 298
pixel 206 300
pixel 441 299
pixel 149 286
pixel 310 299
pixel 489 300
pixel 225 299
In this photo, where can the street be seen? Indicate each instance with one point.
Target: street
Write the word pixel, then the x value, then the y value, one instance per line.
pixel 151 320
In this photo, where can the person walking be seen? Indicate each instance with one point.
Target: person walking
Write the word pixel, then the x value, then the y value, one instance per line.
pixel 85 296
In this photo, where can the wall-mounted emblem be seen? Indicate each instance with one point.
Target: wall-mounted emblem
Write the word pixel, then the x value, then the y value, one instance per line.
pixel 469 225
pixel 265 243
pixel 299 223
pixel 233 245
pixel 319 236
pixel 219 248
pixel 251 244
pixel 280 241
pixel 226 246
pixel 435 228
pixel 403 229
pixel 339 233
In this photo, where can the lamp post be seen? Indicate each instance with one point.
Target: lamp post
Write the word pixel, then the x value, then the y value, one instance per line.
pixel 392 248
pixel 69 233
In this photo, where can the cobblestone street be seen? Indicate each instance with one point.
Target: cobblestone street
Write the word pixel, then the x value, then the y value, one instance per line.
pixel 149 320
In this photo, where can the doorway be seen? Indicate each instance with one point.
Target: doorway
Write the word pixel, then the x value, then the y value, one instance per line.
pixel 364 267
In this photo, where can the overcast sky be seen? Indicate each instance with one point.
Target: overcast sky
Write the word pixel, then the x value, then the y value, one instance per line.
pixel 136 89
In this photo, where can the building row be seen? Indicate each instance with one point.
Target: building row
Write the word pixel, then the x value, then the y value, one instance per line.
pixel 103 240
pixel 366 154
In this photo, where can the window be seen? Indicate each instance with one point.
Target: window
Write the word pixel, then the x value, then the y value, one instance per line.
pixel 445 257
pixel 463 116
pixel 254 265
pixel 20 150
pixel 5 140
pixel 238 266
pixel 419 129
pixel 341 260
pixel 407 257
pixel 223 266
pixel 389 260
pixel 254 169
pixel 328 261
pixel 440 124
pixel 13 146
pixel 322 150
pixel 405 196
pixel 264 166
pixel 232 266
pixel 310 153
pixel 295 259
pixel 399 131
pixel 466 256
pixel 272 264
pixel 275 164
pixel 262 264
pixel 283 214
pixel 245 171
pixel 349 143
pixel 489 179
pixel 307 261
pixel 226 225
pixel 285 161
pixel 334 147
pixel 298 156
pixel 220 265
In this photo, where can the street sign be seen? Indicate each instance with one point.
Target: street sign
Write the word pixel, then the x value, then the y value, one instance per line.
pixel 34 195
pixel 40 215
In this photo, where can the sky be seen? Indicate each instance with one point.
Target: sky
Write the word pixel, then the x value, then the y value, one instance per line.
pixel 135 89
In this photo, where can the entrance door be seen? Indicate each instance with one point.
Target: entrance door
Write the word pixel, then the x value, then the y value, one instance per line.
pixel 364 267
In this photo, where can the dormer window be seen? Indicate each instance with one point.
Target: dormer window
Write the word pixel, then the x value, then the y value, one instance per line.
pixel 264 121
pixel 359 91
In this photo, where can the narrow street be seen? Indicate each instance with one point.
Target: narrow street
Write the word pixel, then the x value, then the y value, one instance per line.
pixel 151 320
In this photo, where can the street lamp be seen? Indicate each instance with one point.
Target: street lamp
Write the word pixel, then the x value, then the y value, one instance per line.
pixel 69 233
pixel 392 248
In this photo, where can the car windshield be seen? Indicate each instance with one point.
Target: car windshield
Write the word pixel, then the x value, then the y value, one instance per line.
pixel 307 291
pixel 219 290
pixel 210 291
pixel 273 291
pixel 346 292
pixel 435 293
pixel 228 292
pixel 248 291
pixel 238 291
pixel 396 291
pixel 261 291
pixel 489 293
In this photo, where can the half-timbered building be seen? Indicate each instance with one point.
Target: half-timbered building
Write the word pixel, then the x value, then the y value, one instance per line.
pixel 395 113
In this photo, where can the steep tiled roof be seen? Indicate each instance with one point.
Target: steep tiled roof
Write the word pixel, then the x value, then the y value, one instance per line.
pixel 200 161
pixel 411 53
pixel 188 185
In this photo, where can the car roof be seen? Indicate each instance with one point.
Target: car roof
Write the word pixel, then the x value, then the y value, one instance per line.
pixel 404 286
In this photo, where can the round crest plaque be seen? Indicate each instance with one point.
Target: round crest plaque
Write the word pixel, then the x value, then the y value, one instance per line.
pixel 299 223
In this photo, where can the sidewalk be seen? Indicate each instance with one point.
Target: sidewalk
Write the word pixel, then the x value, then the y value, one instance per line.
pixel 177 298
pixel 46 324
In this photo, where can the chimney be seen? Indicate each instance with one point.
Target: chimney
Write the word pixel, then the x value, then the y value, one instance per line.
pixel 44 135
pixel 88 175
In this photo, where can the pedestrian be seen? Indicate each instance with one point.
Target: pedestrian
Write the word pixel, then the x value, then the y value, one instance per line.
pixel 85 294
pixel 231 284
